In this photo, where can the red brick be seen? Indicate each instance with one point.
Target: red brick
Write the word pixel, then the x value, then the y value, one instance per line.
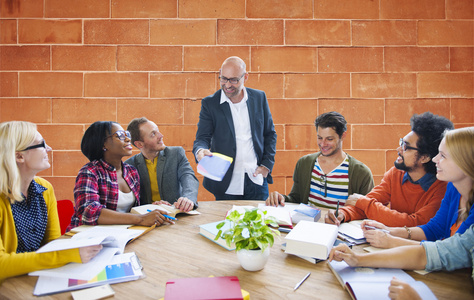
pixel 401 110
pixel 24 58
pixel 301 9
pixel 287 59
pixel 317 85
pixel 84 58
pixel 83 110
pixel 149 58
pixel 451 33
pixel 408 9
pixel 384 85
pixel 446 85
pixel 116 31
pixel 355 111
pixel 47 84
pixel 280 130
pixel 191 111
pixel 285 162
pixel 183 32
pixel 32 110
pixel 462 110
pixel 162 111
pixel 178 135
pixel 393 32
pixel 459 9
pixel 144 9
pixel 289 111
pixel 317 32
pixel 462 58
pixel 391 156
pixel 211 9
pixel 279 185
pixel 346 9
pixel 374 159
pixel 414 59
pixel 8 84
pixel 8 32
pixel 203 194
pixel 350 59
pixel 63 187
pixel 211 58
pixel 182 85
pixel 71 9
pixel 115 85
pixel 50 31
pixel 250 32
pixel 375 137
pixel 68 163
pixel 271 84
pixel 21 9
pixel 62 137
pixel 301 137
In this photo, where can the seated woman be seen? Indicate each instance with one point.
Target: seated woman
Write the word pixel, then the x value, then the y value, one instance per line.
pixel 454 163
pixel 450 254
pixel 28 211
pixel 106 188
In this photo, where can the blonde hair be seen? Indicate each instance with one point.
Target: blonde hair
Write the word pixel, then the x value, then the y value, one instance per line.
pixel 15 136
pixel 460 143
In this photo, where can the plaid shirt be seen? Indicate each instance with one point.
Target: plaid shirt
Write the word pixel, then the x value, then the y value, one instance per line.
pixel 97 187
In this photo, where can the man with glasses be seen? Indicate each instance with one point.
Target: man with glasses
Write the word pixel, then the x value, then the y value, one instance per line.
pixel 236 121
pixel 165 172
pixel 409 194
pixel 328 177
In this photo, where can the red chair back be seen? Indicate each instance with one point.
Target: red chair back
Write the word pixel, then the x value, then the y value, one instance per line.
pixel 65 212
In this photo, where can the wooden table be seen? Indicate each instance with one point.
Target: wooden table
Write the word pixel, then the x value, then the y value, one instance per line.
pixel 178 251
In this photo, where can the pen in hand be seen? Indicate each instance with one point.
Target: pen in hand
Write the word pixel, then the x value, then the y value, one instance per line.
pixel 375 228
pixel 301 282
pixel 164 215
pixel 337 209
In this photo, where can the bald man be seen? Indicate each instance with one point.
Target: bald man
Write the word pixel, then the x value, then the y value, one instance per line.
pixel 236 121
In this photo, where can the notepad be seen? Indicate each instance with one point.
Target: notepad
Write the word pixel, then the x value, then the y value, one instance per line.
pixel 210 288
pixel 214 167
pixel 373 283
pixel 210 231
pixel 170 210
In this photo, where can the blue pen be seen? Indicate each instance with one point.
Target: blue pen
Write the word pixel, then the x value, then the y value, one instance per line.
pixel 166 216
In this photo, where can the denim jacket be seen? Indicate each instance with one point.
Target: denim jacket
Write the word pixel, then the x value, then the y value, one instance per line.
pixel 452 253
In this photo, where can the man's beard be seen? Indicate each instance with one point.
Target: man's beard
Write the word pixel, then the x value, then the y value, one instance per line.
pixel 402 166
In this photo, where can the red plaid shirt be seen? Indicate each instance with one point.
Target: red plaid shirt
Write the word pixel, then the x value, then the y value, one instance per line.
pixel 97 187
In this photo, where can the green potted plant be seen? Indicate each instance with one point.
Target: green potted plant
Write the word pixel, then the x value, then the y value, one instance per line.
pixel 251 235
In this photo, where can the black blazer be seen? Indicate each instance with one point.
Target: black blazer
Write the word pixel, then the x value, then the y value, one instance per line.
pixel 216 132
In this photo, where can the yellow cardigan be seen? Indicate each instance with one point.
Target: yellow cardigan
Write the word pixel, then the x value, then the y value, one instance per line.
pixel 14 264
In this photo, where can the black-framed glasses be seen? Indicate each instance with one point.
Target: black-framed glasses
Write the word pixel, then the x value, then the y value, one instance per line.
pixel 405 147
pixel 325 178
pixel 231 80
pixel 40 145
pixel 121 134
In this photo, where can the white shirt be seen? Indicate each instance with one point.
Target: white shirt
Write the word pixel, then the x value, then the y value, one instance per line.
pixel 125 201
pixel 245 158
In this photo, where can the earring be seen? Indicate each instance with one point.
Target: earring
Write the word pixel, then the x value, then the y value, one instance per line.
pixel 105 149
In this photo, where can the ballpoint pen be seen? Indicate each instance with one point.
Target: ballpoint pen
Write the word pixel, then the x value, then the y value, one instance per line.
pixel 337 209
pixel 375 228
pixel 301 282
pixel 164 215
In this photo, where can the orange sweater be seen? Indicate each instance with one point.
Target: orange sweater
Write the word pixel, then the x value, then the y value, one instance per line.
pixel 394 204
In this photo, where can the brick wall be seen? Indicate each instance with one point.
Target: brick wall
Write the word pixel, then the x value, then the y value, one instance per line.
pixel 67 63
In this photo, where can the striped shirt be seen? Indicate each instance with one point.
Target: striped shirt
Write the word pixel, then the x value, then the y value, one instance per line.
pixel 327 189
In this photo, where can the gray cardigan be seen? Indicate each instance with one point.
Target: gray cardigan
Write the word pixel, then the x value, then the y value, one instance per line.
pixel 175 176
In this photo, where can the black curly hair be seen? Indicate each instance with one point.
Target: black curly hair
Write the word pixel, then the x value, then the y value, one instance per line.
pixel 430 129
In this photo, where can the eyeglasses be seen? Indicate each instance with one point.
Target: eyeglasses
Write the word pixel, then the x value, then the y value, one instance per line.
pixel 42 144
pixel 231 80
pixel 121 134
pixel 405 147
pixel 325 178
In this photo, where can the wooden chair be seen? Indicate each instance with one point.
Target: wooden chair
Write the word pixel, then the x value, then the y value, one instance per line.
pixel 65 212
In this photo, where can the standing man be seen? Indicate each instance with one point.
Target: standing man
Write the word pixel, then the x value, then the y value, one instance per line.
pixel 409 194
pixel 236 121
pixel 329 176
pixel 165 172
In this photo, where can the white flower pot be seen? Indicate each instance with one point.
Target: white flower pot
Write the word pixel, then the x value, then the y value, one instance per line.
pixel 253 260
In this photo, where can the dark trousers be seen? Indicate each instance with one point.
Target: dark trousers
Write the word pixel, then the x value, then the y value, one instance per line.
pixel 252 191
